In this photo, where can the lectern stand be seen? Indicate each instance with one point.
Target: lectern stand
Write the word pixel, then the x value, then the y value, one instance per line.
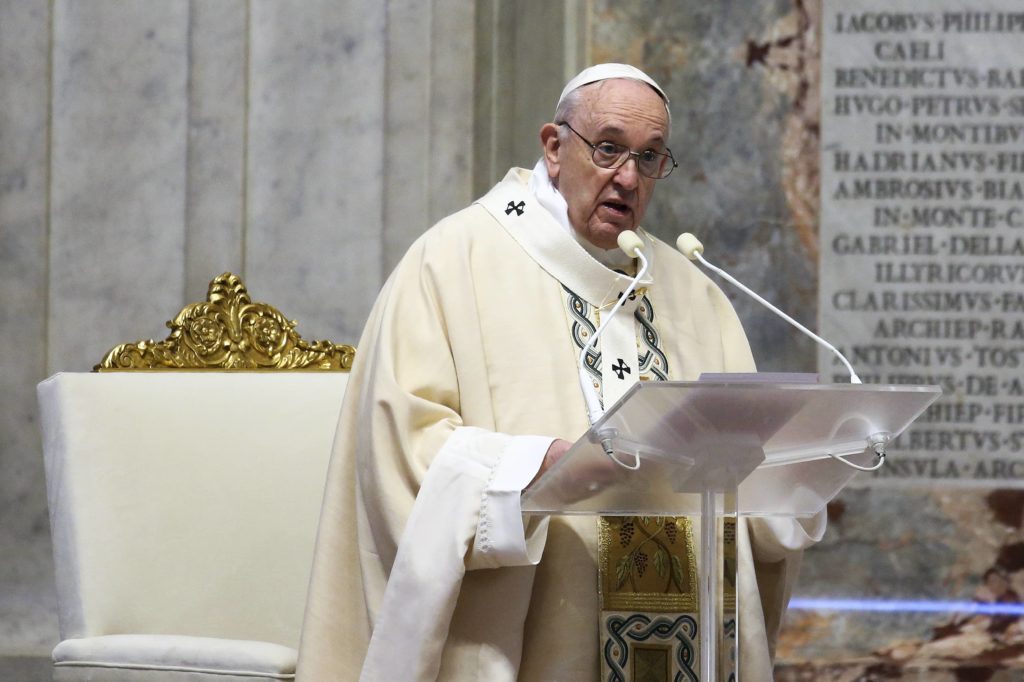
pixel 714 449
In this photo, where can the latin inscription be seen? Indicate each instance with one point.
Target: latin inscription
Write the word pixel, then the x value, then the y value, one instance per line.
pixel 922 223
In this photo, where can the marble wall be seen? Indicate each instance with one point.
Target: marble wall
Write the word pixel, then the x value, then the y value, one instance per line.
pixel 27 605
pixel 733 104
pixel 147 147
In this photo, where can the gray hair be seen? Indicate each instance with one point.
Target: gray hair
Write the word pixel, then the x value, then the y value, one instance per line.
pixel 571 102
pixel 565 110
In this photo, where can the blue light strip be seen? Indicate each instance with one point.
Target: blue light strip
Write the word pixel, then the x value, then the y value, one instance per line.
pixel 901 606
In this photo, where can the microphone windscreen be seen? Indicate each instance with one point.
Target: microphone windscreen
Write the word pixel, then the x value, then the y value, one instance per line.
pixel 689 245
pixel 630 243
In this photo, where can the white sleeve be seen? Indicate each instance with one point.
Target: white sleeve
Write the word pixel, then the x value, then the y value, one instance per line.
pixel 466 515
pixel 501 535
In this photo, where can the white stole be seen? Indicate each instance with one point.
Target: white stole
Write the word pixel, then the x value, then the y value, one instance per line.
pixel 531 223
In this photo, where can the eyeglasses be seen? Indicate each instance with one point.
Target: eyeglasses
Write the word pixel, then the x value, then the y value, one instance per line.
pixel 610 155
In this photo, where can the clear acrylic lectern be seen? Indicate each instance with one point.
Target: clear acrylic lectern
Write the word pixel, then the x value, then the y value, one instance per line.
pixel 721 449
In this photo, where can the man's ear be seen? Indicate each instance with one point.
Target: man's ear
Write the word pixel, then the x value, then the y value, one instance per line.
pixel 549 140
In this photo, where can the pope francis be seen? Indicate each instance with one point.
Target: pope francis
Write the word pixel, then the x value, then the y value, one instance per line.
pixel 465 388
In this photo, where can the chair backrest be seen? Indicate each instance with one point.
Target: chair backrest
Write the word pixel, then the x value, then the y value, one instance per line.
pixel 187 502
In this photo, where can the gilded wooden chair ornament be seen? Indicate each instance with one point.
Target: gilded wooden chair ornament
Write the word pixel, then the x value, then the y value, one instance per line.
pixel 229 332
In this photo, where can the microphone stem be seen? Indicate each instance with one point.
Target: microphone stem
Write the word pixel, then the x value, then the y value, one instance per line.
pixel 854 379
pixel 594 410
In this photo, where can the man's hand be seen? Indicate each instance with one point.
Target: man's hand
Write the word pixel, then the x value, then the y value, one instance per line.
pixel 555 452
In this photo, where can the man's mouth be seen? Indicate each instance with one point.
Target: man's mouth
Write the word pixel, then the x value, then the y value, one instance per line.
pixel 616 208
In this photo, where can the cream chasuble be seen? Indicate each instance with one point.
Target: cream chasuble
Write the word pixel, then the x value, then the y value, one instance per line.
pixel 466 370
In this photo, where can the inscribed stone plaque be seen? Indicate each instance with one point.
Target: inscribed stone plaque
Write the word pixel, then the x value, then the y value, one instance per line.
pixel 922 223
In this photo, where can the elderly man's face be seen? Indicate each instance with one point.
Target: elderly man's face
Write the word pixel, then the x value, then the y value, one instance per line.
pixel 603 202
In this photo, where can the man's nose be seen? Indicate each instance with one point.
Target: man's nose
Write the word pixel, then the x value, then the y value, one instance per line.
pixel 627 175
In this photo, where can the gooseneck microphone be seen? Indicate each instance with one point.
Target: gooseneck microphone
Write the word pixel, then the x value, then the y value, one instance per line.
pixel 632 246
pixel 694 250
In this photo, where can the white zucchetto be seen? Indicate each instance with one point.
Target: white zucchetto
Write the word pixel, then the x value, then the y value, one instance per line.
pixel 603 72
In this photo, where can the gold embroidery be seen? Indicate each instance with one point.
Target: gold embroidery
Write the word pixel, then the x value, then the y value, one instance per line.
pixel 647 564
pixel 728 535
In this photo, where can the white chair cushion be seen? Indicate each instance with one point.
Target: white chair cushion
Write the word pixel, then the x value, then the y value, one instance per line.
pixel 186 502
pixel 176 655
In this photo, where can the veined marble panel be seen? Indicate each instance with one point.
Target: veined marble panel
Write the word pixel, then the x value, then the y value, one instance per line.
pixel 218 85
pixel 28 622
pixel 525 53
pixel 739 76
pixel 451 107
pixel 428 146
pixel 315 161
pixel 538 75
pixel 494 51
pixel 407 146
pixel 120 72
